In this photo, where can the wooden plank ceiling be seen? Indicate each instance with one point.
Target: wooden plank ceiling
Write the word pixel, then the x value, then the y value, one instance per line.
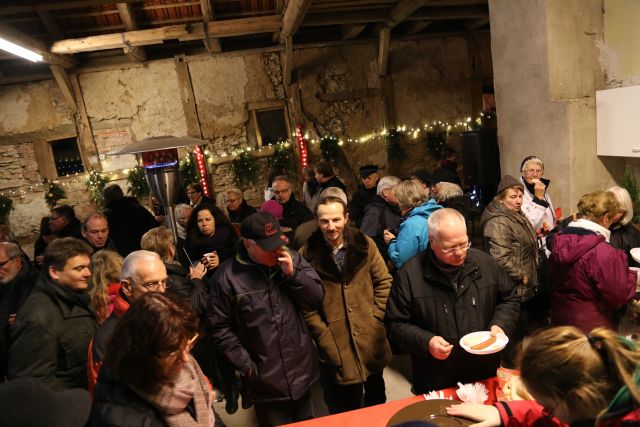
pixel 77 33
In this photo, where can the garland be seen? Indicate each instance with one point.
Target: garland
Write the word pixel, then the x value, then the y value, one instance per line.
pixel 629 183
pixel 53 193
pixel 137 183
pixel 6 205
pixel 329 146
pixel 281 157
pixel 394 149
pixel 188 171
pixel 95 183
pixel 245 167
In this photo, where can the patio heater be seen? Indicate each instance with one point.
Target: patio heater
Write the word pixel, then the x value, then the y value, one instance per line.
pixel 160 161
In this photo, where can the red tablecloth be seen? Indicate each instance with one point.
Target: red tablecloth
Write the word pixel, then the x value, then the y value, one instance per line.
pixel 379 415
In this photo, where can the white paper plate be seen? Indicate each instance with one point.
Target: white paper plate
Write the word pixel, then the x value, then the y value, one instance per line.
pixel 635 254
pixel 480 336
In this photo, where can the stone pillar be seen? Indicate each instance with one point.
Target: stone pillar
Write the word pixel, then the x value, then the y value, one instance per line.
pixel 546 72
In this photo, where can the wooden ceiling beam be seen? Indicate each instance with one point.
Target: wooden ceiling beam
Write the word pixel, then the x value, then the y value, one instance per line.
pixel 477 23
pixel 50 25
pixel 15 36
pixel 211 43
pixel 416 27
pixel 293 16
pixel 288 61
pixel 128 17
pixel 350 32
pixel 402 11
pixel 228 28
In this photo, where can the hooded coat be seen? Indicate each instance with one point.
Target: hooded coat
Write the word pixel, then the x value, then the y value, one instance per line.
pixel 413 233
pixel 511 240
pixel 591 280
pixel 349 328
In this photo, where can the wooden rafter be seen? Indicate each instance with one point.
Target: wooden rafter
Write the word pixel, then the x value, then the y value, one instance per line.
pixel 55 5
pixel 211 43
pixel 62 79
pixel 50 24
pixel 13 35
pixel 228 28
pixel 350 32
pixel 288 60
pixel 402 10
pixel 136 53
pixel 293 16
pixel 416 27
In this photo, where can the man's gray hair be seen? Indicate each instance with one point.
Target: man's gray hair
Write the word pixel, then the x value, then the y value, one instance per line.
pixel 180 208
pixel 236 191
pixel 387 182
pixel 91 216
pixel 448 190
pixel 444 217
pixel 11 250
pixel 130 263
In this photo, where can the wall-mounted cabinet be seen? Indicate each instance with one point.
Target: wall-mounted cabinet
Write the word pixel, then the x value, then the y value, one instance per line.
pixel 618 112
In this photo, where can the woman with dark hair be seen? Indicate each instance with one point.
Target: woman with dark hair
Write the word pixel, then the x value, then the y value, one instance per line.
pixel 149 377
pixel 210 237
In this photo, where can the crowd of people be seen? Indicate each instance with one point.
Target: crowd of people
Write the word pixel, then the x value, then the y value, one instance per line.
pixel 259 303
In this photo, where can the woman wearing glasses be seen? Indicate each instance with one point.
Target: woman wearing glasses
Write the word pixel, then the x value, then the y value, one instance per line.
pixel 536 203
pixel 575 379
pixel 149 377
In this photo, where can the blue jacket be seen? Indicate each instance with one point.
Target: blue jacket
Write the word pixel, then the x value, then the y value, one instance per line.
pixel 413 235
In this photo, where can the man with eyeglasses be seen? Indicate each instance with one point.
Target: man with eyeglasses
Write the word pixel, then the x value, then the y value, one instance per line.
pixel 294 212
pixel 237 206
pixel 55 324
pixel 142 272
pixel 442 294
pixel 17 279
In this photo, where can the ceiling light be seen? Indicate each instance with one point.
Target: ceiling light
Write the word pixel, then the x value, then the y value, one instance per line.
pixel 19 50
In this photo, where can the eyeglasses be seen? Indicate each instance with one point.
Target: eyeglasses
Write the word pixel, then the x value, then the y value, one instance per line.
pixel 232 200
pixel 532 171
pixel 277 193
pixel 155 286
pixel 3 263
pixel 462 248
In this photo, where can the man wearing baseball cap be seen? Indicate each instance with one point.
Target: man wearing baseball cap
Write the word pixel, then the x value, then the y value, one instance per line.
pixel 256 322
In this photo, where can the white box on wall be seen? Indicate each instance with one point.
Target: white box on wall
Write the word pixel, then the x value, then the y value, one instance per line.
pixel 618 121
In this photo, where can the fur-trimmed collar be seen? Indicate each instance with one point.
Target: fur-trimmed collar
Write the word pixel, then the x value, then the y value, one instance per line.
pixel 319 255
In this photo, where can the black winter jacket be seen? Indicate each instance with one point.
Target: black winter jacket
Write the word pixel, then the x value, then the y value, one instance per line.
pixel 244 211
pixel 379 216
pixel 294 213
pixel 117 405
pixel 128 221
pixel 361 198
pixel 51 336
pixel 423 303
pixel 256 322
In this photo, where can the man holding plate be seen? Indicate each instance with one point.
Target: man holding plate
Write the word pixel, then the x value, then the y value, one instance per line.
pixel 443 294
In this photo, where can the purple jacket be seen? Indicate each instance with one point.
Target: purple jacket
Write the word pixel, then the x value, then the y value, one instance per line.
pixel 591 280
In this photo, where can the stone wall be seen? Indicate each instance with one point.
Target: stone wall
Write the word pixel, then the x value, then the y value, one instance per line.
pixel 338 92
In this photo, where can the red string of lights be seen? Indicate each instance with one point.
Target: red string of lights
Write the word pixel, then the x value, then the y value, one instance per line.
pixel 202 169
pixel 302 147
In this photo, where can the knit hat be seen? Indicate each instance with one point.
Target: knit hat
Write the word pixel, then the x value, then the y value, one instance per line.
pixel 367 170
pixel 264 228
pixel 272 207
pixel 508 181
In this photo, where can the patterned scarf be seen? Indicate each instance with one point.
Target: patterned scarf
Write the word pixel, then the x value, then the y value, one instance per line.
pixel 172 399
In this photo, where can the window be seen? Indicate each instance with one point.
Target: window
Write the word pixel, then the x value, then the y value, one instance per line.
pixel 66 157
pixel 269 121
pixel 272 126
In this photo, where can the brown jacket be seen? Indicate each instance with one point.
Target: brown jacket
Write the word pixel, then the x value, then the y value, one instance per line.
pixel 349 329
pixel 512 242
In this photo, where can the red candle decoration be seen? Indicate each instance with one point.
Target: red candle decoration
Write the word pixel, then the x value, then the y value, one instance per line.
pixel 202 169
pixel 302 147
